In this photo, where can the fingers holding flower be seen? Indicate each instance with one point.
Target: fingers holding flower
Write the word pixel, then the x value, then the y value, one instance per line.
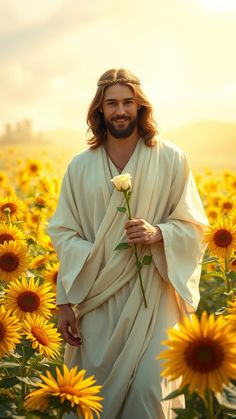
pixel 139 230
pixel 122 183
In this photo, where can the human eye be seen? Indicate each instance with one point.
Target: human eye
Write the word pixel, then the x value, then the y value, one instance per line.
pixel 129 101
pixel 111 103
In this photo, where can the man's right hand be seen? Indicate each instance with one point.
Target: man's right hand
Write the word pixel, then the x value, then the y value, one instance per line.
pixel 67 325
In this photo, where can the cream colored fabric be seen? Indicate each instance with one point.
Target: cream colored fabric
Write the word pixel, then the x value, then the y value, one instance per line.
pixel 117 331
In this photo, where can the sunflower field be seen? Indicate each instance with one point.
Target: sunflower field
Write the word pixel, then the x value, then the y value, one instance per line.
pixel 34 382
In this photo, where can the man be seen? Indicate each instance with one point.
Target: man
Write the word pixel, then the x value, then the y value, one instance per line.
pixel 112 335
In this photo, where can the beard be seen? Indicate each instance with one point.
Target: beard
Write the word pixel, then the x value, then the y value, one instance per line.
pixel 121 132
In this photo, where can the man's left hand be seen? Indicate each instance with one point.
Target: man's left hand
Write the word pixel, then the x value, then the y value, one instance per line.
pixel 139 230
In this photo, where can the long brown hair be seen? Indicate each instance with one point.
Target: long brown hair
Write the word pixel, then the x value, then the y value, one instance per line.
pixel 146 125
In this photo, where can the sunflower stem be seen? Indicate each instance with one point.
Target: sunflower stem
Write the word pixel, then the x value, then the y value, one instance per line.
pixel 7 212
pixel 32 365
pixel 61 413
pixel 227 280
pixel 79 413
pixel 208 399
pixel 38 224
pixel 218 412
pixel 137 260
pixel 23 375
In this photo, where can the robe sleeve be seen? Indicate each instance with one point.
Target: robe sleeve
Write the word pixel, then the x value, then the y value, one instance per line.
pixel 178 258
pixel 68 239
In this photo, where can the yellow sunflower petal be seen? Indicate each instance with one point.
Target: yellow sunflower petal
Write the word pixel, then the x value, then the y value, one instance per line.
pixel 204 355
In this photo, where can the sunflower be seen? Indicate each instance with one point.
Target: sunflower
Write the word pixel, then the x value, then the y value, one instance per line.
pixel 70 386
pixel 29 297
pixel 12 206
pixel 9 331
pixel 221 238
pixel 3 178
pixel 46 242
pixel 212 267
pixel 211 185
pixel 33 167
pixel 41 201
pixel 43 335
pixel 33 219
pixel 214 199
pixel 233 216
pixel 232 185
pixel 230 181
pixel 10 232
pixel 39 262
pixel 203 352
pixel 212 213
pixel 227 205
pixel 51 274
pixel 45 185
pixel 232 265
pixel 9 191
pixel 13 260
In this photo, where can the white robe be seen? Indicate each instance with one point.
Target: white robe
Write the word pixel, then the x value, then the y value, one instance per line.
pixel 120 337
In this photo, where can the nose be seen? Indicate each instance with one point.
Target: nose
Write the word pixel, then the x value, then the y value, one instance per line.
pixel 120 109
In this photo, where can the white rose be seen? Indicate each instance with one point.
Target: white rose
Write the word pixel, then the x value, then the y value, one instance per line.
pixel 122 182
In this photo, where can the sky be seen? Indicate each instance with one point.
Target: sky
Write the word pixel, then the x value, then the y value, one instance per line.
pixel 53 52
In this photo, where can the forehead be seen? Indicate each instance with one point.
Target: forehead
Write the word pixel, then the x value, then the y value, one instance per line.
pixel 118 92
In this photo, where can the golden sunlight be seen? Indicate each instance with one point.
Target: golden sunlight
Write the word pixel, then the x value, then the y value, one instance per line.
pixel 220 5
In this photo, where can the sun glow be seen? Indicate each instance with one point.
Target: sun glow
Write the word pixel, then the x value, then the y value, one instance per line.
pixel 220 5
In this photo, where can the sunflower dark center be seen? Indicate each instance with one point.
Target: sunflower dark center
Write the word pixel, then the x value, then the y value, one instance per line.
pixel 68 389
pixel 204 355
pixel 9 262
pixel 28 301
pixel 212 213
pixel 33 168
pixel 2 331
pixel 41 202
pixel 35 218
pixel 227 205
pixel 5 237
pixel 223 238
pixel 10 205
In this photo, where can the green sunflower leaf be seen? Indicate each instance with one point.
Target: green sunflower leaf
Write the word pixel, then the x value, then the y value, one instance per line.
pixel 210 260
pixel 8 382
pixel 187 413
pixel 147 260
pixel 176 393
pixel 121 209
pixel 122 246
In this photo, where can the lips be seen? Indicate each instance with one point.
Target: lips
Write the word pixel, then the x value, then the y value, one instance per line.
pixel 120 119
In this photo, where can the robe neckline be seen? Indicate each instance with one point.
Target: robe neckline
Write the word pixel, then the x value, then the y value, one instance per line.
pixel 111 164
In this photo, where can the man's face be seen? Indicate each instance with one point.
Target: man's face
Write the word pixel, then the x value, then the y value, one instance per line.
pixel 120 110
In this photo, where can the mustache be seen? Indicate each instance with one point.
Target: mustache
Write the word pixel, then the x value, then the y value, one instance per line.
pixel 120 118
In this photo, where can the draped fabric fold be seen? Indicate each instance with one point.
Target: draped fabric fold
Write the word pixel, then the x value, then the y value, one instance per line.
pixel 102 282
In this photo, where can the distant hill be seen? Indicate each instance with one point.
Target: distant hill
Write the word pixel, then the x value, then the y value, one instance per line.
pixel 66 137
pixel 207 144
